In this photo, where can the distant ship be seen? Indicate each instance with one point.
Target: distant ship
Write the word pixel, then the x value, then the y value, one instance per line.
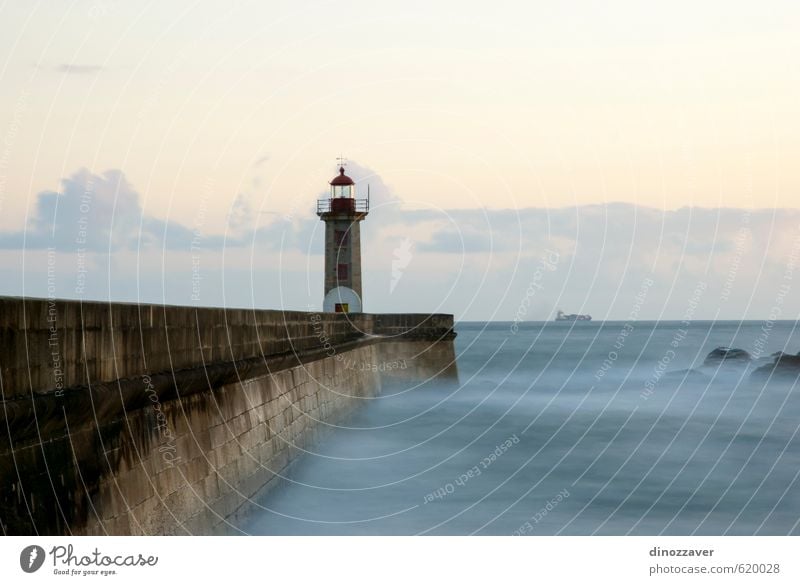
pixel 561 316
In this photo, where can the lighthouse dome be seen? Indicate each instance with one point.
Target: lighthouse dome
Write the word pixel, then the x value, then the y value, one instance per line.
pixel 341 179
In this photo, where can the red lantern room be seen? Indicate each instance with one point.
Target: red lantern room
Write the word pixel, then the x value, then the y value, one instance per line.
pixel 342 193
pixel 342 186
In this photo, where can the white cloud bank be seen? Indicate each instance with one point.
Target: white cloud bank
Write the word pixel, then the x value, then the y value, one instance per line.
pixel 479 264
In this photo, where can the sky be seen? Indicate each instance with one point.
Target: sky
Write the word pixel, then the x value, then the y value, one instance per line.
pixel 628 139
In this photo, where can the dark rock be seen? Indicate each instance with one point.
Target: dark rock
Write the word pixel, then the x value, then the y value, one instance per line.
pixel 726 354
pixel 784 366
pixel 768 359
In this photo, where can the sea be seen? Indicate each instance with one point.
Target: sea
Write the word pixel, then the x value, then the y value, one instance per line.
pixel 574 428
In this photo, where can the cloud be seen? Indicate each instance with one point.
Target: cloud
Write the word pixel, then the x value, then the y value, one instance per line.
pixel 102 213
pixel 476 263
pixel 369 181
pixel 98 213
pixel 483 261
pixel 78 69
pixel 462 239
pixel 303 232
pixel 240 216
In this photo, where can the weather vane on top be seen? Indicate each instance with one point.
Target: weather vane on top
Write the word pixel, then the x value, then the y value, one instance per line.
pixel 342 161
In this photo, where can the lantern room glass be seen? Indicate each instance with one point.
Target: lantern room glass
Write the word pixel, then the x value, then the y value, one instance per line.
pixel 341 191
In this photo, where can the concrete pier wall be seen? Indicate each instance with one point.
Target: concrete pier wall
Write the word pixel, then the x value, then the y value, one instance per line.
pixel 127 419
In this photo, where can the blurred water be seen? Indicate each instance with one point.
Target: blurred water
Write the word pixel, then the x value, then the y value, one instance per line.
pixel 579 447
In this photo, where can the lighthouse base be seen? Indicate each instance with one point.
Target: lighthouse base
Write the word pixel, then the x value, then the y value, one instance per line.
pixel 342 300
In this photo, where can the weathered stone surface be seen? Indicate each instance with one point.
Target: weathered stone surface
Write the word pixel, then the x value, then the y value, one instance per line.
pixel 171 420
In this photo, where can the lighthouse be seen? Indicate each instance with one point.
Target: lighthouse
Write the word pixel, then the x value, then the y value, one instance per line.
pixel 342 214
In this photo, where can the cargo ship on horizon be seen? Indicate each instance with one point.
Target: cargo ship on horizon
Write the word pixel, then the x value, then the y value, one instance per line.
pixel 562 316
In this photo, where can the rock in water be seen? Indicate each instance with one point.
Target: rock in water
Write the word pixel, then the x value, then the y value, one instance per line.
pixel 784 366
pixel 726 354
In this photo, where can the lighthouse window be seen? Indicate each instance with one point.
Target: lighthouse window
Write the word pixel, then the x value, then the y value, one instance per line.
pixel 341 237
pixel 342 271
pixel 342 191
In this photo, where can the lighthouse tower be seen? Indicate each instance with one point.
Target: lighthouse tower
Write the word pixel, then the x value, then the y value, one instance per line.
pixel 342 214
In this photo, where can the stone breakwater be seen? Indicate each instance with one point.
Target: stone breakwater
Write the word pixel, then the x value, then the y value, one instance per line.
pixel 176 420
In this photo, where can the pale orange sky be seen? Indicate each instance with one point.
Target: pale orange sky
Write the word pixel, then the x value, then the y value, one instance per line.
pixel 456 105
